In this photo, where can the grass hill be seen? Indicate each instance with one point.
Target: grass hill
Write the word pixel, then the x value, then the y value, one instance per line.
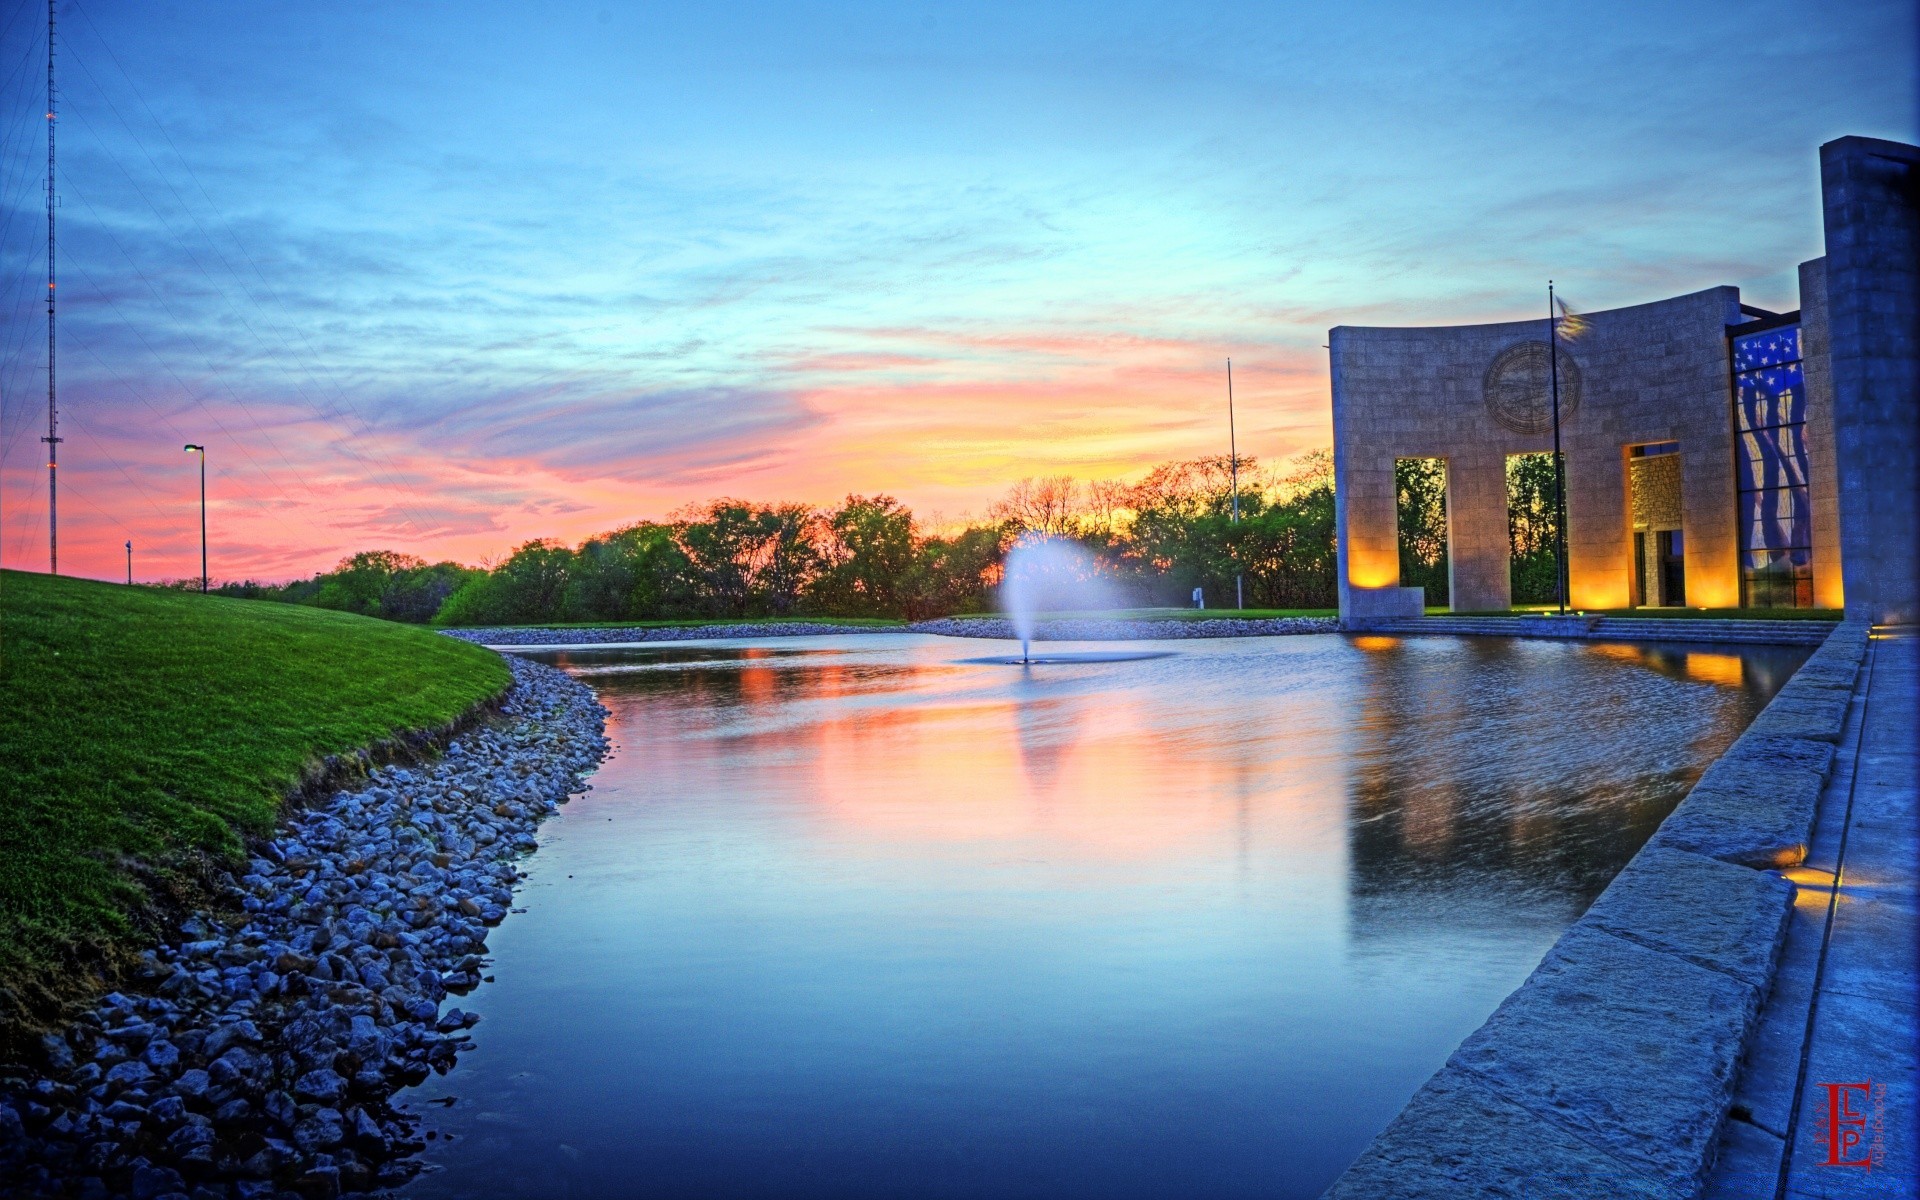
pixel 145 733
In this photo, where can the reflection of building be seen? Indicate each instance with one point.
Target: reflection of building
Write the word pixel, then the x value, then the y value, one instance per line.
pixel 1716 454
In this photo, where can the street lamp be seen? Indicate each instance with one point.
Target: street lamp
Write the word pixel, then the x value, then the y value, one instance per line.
pixel 202 452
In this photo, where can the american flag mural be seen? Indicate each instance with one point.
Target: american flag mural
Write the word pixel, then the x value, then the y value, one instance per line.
pixel 1770 416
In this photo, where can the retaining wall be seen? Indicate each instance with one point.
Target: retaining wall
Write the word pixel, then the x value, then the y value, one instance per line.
pixel 1610 1071
pixel 1617 629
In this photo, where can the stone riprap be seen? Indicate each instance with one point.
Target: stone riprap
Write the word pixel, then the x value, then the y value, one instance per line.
pixel 1074 630
pixel 529 636
pixel 259 1052
pixel 1610 1071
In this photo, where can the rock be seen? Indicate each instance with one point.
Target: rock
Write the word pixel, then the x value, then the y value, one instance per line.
pixel 129 1074
pixel 150 1182
pixel 58 1055
pixel 233 1033
pixel 367 1132
pixel 320 1131
pixel 280 1107
pixel 192 1083
pixel 324 1086
pixel 188 1138
pixel 162 1056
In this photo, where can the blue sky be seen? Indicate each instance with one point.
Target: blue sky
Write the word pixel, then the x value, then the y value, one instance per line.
pixel 445 277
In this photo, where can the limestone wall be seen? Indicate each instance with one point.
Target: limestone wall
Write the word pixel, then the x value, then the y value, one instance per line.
pixel 1651 373
pixel 1829 588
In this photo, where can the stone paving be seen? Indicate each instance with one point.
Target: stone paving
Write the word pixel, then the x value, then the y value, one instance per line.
pixel 1843 1007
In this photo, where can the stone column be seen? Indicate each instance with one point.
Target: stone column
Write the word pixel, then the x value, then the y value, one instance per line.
pixel 1871 191
pixel 1477 551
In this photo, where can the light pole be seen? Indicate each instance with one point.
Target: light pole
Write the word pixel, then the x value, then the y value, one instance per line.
pixel 1233 455
pixel 202 452
pixel 129 562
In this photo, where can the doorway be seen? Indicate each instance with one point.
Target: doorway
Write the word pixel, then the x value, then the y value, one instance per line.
pixel 1673 569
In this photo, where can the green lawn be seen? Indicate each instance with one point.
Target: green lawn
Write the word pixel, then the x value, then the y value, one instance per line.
pixel 1656 614
pixel 143 732
pixel 696 622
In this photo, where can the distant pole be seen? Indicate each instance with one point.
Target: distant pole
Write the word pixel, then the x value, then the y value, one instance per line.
pixel 1559 471
pixel 129 562
pixel 1233 454
pixel 202 451
pixel 53 412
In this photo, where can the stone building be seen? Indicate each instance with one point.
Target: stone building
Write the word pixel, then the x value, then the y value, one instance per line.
pixel 1716 455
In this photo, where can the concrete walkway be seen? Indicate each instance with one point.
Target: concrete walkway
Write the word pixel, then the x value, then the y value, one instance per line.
pixel 1843 1007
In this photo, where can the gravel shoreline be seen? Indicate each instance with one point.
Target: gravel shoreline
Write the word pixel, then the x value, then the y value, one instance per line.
pixel 259 1052
pixel 970 627
pixel 1118 631
pixel 511 636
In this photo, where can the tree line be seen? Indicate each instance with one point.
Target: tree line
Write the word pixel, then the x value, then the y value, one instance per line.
pixel 869 556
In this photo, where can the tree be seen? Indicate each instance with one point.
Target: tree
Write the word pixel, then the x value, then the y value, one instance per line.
pixel 785 558
pixel 1047 505
pixel 530 586
pixel 1420 502
pixel 1532 530
pixel 868 558
pixel 635 573
pixel 952 574
pixel 718 542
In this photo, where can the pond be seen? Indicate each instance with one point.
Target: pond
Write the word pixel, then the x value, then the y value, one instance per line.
pixel 852 917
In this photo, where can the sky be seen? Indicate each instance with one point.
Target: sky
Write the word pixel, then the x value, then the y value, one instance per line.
pixel 445 277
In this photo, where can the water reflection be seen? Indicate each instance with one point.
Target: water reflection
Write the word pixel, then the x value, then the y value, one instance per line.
pixel 854 918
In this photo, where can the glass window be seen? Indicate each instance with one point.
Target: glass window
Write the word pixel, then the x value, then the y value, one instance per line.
pixel 1771 396
pixel 1770 469
pixel 1766 348
pixel 1772 458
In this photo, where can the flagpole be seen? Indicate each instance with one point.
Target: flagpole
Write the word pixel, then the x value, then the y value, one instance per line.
pixel 1559 470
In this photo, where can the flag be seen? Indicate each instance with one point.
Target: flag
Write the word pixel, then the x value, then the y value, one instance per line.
pixel 1570 323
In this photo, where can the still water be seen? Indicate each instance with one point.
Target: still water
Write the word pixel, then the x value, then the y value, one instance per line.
pixel 853 918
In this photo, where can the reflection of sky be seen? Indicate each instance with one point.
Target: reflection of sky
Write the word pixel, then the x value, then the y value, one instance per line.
pixel 444 277
pixel 850 918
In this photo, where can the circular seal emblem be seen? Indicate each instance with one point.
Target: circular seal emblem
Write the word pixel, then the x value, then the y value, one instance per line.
pixel 1519 388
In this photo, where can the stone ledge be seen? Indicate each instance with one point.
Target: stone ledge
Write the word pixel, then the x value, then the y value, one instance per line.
pixel 1633 1049
pixel 1746 812
pixel 1711 913
pixel 1459 1138
pixel 1610 1070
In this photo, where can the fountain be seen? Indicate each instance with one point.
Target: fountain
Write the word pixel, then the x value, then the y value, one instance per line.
pixel 1047 574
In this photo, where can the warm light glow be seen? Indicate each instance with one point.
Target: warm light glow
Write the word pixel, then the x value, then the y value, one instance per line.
pixel 1372 569
pixel 1375 642
pixel 1725 669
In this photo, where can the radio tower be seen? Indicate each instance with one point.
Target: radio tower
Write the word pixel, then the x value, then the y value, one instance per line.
pixel 53 412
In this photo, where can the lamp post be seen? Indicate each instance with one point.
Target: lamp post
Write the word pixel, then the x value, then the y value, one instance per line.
pixel 202 452
pixel 129 562
pixel 1233 464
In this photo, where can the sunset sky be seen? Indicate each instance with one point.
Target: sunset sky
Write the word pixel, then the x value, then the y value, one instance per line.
pixel 446 277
